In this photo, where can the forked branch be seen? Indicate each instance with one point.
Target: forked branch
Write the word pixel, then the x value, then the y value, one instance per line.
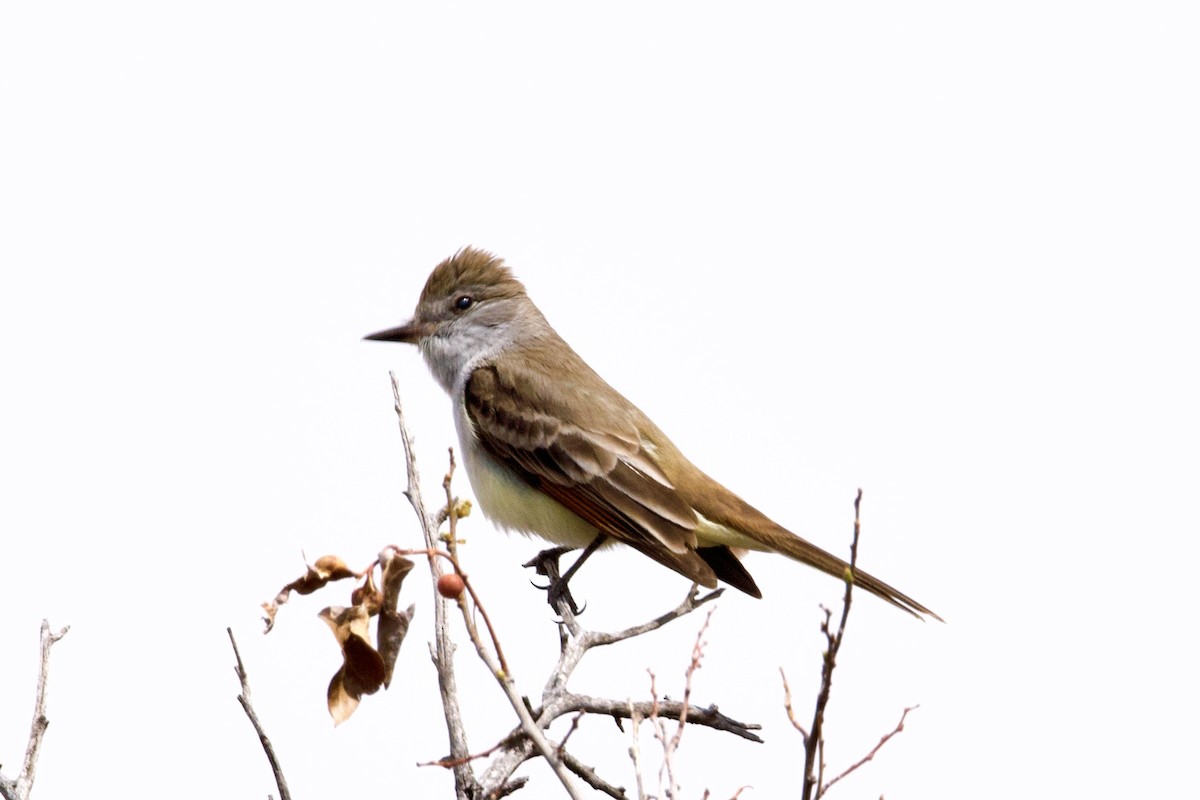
pixel 814 785
pixel 528 739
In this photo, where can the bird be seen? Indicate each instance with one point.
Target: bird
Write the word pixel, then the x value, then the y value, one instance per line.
pixel 551 449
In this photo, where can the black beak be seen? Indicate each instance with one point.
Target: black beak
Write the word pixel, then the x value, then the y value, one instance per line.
pixel 410 332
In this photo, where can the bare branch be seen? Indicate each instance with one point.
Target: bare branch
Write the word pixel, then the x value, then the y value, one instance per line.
pixel 670 744
pixel 574 647
pixel 814 742
pixel 452 516
pixel 689 604
pixel 247 706
pixel 562 744
pixel 529 726
pixel 20 787
pixel 697 656
pixel 635 748
pixel 589 776
pixel 708 717
pixel 787 705
pixel 660 733
pixel 464 778
pixel 557 701
pixel 449 763
pixel 884 740
pixel 814 785
pixel 466 786
pixel 528 740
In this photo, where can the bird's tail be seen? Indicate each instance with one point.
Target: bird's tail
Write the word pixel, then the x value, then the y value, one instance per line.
pixel 792 546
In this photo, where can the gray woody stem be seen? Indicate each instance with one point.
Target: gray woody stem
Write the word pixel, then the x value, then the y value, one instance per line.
pixel 248 707
pixel 464 777
pixel 19 788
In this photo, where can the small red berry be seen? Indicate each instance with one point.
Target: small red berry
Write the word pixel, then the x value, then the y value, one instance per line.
pixel 450 585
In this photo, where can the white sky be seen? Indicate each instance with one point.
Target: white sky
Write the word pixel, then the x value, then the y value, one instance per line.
pixel 944 253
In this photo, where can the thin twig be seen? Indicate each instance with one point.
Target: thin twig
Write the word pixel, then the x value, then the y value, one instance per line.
pixel 814 786
pixel 449 763
pixel 635 748
pixel 528 724
pixel 20 788
pixel 884 740
pixel 572 650
pixel 697 656
pixel 814 742
pixel 689 604
pixel 562 743
pixel 787 705
pixel 589 776
pixel 247 706
pixel 670 744
pixel 660 733
pixel 452 516
pixel 434 553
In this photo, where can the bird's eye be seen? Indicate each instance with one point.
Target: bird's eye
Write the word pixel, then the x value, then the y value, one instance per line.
pixel 464 302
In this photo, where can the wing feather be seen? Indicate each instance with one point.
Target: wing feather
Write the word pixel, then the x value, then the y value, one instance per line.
pixel 603 474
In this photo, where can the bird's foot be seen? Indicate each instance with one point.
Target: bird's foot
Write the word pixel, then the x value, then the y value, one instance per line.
pixel 558 590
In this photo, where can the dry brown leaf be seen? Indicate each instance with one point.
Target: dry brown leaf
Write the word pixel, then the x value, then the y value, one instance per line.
pixel 332 568
pixel 395 568
pixel 346 621
pixel 367 595
pixel 390 632
pixel 269 610
pixel 362 669
pixel 326 569
pixel 392 626
pixel 341 703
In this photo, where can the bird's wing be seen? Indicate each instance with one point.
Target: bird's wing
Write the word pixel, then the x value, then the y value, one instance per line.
pixel 600 469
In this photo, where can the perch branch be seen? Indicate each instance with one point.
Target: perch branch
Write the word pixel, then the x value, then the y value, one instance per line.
pixel 528 739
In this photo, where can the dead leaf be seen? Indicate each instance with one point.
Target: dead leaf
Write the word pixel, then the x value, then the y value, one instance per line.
pixel 341 703
pixel 390 632
pixel 395 568
pixel 326 569
pixel 367 595
pixel 362 670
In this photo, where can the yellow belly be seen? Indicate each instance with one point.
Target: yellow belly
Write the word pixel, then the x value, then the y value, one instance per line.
pixel 513 505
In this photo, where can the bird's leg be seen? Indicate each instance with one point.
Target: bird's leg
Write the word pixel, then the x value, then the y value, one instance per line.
pixel 546 563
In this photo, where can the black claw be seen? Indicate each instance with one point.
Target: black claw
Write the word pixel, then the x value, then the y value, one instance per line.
pixel 557 590
pixel 560 592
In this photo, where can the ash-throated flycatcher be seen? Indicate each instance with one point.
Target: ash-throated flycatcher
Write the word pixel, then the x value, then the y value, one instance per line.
pixel 551 449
